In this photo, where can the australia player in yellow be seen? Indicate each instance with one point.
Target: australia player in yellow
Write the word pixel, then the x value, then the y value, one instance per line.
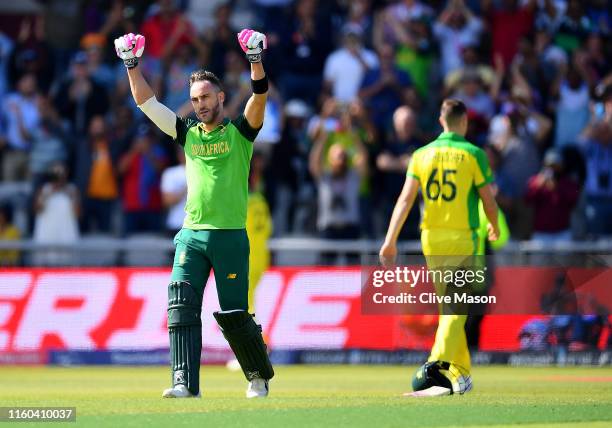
pixel 453 175
pixel 259 229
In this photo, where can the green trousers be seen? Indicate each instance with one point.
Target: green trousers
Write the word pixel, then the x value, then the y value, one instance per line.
pixel 226 251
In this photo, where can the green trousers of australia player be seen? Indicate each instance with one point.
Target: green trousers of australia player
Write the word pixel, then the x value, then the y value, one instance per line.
pixel 197 252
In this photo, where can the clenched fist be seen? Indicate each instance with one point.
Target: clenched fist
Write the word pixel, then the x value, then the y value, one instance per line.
pixel 129 48
pixel 253 44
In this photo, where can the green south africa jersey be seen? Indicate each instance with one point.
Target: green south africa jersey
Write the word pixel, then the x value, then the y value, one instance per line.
pixel 217 170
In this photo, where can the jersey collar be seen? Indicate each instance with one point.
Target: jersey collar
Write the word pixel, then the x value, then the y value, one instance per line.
pixel 219 127
pixel 451 136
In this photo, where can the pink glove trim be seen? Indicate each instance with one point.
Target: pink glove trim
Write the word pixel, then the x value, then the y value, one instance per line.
pixel 139 45
pixel 243 38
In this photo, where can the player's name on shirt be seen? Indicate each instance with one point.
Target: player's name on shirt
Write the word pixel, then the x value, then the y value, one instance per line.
pixel 219 148
pixel 454 156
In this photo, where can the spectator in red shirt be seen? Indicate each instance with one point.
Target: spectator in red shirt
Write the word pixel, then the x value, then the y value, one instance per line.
pixel 167 30
pixel 553 196
pixel 141 169
pixel 507 25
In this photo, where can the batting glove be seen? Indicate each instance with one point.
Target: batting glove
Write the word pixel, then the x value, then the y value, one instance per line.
pixel 253 44
pixel 129 48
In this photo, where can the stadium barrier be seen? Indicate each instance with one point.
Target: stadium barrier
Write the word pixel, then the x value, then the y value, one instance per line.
pixel 309 315
pixel 106 250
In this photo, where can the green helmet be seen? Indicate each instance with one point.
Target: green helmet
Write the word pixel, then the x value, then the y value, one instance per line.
pixel 429 375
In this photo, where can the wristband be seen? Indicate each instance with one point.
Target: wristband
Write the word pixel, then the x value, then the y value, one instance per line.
pixel 130 63
pixel 260 86
pixel 254 57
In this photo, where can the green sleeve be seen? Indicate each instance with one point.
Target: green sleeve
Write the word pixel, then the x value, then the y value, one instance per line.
pixel 482 228
pixel 182 127
pixel 412 167
pixel 483 175
pixel 246 130
pixel 504 232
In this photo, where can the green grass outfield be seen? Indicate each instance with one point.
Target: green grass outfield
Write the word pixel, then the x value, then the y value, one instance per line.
pixel 316 396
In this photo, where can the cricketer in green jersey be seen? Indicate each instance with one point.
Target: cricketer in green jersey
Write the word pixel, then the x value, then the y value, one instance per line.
pixel 218 152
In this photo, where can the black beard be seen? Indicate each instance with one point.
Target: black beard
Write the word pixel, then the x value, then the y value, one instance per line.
pixel 215 114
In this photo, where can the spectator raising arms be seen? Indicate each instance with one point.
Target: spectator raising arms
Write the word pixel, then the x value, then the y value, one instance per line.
pixel 385 88
pixel 167 30
pixel 338 187
pixel 345 67
pixel 455 28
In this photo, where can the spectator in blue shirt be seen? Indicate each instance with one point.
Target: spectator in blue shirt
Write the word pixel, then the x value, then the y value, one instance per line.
pixel 385 88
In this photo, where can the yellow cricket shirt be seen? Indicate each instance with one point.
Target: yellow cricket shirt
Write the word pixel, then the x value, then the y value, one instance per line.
pixel 450 170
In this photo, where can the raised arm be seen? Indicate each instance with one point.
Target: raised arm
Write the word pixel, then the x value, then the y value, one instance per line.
pixel 361 158
pixel 253 43
pixel 315 159
pixel 130 48
pixel 256 105
pixel 141 91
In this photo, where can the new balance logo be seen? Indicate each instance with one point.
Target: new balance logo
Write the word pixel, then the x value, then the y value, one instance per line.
pixel 179 377
pixel 231 276
pixel 252 375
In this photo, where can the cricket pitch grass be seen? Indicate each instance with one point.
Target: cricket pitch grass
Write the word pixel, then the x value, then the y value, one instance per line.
pixel 315 396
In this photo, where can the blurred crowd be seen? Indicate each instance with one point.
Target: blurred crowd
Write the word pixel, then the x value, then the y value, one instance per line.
pixel 355 89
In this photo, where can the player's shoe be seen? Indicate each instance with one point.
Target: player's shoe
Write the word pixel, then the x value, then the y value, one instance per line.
pixel 439 378
pixel 464 384
pixel 432 391
pixel 258 387
pixel 179 391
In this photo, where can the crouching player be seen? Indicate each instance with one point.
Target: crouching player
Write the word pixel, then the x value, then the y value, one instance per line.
pixel 218 153
pixel 452 173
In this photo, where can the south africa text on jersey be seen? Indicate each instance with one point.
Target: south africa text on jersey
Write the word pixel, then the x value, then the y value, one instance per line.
pixel 210 149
